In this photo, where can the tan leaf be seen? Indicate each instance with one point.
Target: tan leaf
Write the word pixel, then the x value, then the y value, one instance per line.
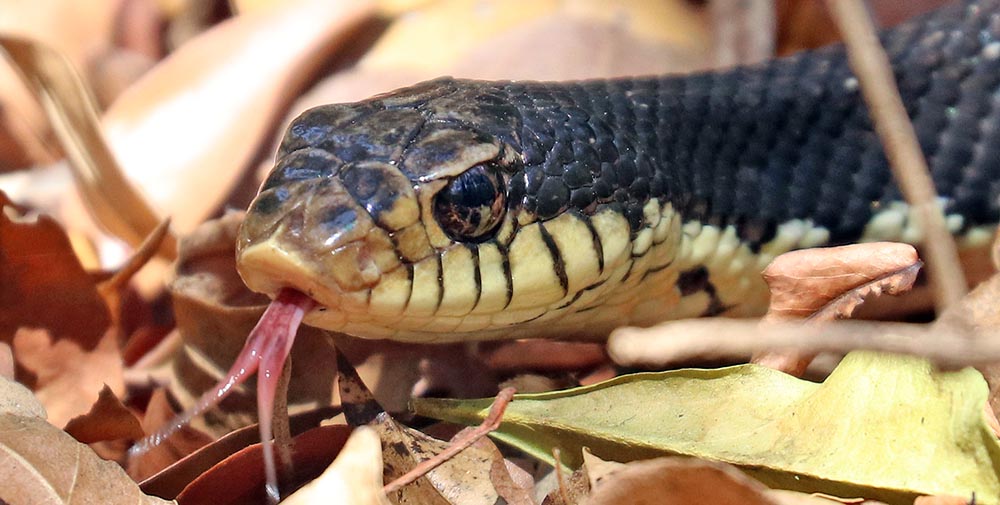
pixel 464 479
pixel 42 464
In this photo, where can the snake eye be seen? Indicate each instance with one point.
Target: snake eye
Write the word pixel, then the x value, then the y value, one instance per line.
pixel 472 205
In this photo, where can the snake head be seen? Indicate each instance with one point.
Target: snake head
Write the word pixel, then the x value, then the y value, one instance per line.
pixel 378 211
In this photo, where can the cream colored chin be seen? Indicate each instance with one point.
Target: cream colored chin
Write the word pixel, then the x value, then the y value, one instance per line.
pixel 266 267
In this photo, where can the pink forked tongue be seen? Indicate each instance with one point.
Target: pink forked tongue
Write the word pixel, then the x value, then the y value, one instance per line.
pixel 266 349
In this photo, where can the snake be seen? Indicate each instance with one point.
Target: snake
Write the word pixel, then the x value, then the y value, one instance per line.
pixel 457 210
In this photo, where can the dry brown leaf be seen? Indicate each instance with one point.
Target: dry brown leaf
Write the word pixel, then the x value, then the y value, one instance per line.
pixel 44 285
pixel 235 77
pixel 66 377
pixel 42 464
pixel 541 355
pixel 107 419
pixel 828 283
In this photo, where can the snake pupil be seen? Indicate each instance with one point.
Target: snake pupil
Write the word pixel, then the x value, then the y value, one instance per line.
pixel 472 204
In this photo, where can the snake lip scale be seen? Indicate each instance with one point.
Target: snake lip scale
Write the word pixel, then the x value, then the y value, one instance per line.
pixel 458 209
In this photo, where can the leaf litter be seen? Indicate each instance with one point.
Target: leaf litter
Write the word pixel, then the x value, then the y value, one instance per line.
pixel 542 23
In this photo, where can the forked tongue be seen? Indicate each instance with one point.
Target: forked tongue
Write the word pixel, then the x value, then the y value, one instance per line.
pixel 266 349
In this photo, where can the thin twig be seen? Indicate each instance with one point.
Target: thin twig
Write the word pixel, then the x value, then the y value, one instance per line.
pixel 870 64
pixel 145 252
pixel 680 341
pixel 491 423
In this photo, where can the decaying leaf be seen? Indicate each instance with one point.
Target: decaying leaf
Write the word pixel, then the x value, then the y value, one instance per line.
pixel 468 476
pixel 42 464
pixel 871 429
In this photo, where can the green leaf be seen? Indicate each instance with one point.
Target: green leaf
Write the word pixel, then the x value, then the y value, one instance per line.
pixel 881 426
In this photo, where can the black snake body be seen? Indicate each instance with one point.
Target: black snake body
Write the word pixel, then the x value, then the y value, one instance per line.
pixel 753 161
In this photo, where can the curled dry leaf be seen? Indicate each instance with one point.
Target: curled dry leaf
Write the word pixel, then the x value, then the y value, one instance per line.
pixel 465 477
pixel 828 283
pixel 42 464
pixel 240 74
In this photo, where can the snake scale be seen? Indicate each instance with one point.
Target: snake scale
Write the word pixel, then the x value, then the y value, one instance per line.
pixel 459 209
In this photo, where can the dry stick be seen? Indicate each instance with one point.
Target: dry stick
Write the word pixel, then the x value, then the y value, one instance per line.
pixel 678 341
pixel 878 86
pixel 489 424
